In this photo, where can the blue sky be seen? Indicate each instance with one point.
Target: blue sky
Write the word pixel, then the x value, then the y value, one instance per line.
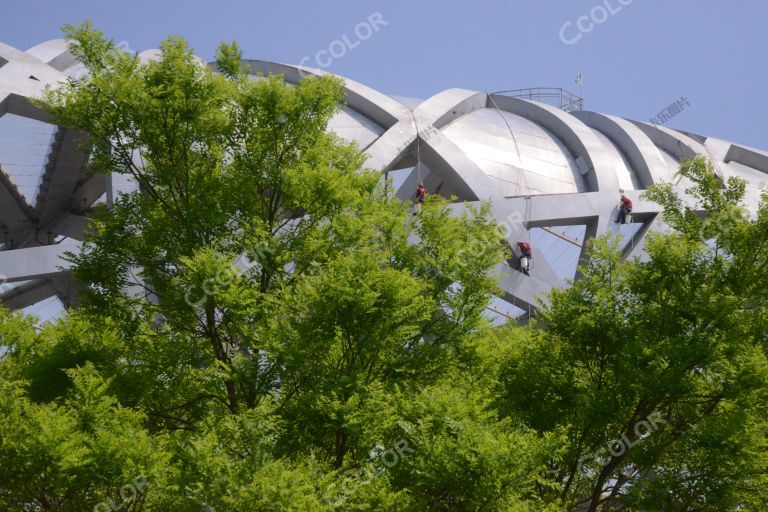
pixel 642 56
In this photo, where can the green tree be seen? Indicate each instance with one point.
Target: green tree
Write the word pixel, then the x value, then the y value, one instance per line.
pixel 76 452
pixel 264 327
pixel 656 371
pixel 257 293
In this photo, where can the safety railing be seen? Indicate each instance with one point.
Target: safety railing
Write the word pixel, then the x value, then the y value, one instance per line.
pixel 555 96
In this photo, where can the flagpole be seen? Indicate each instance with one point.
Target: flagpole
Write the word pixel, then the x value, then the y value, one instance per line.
pixel 579 81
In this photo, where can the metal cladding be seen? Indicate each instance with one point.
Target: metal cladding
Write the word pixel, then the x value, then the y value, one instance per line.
pixel 544 171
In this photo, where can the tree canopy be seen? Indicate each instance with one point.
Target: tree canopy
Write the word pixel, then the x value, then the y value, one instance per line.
pixel 263 326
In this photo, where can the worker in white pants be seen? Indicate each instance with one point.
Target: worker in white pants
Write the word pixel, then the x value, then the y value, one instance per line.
pixel 525 257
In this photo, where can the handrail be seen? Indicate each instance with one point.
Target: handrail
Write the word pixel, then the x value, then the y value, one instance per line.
pixel 564 100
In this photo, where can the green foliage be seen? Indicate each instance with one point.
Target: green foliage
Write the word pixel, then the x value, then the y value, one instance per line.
pixel 464 457
pixel 666 357
pixel 260 285
pixel 73 454
pixel 263 327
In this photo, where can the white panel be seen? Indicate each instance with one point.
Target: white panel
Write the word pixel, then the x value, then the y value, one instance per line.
pixel 627 178
pixel 531 162
pixel 355 127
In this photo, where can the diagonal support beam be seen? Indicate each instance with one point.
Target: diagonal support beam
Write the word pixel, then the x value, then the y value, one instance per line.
pixel 88 192
pixel 36 262
pixel 27 294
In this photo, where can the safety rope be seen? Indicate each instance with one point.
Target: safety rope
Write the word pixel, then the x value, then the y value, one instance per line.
pixel 627 217
pixel 418 147
pixel 520 173
pixel 522 181
pixel 526 225
pixel 498 111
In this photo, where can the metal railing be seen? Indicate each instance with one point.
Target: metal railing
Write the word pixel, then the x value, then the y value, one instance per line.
pixel 555 96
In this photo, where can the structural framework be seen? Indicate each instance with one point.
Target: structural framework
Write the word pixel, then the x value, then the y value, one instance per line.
pixel 552 176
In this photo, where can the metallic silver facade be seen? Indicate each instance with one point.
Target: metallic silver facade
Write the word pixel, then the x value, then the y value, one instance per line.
pixel 544 171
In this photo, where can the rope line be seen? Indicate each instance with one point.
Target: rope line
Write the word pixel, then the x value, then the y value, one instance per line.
pixel 418 147
pixel 526 225
pixel 16 143
pixel 42 134
pixel 520 171
pixel 498 111
pixel 17 153
pixel 528 205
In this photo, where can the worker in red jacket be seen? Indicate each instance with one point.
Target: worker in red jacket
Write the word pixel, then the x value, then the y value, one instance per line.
pixel 421 193
pixel 525 257
pixel 421 197
pixel 625 208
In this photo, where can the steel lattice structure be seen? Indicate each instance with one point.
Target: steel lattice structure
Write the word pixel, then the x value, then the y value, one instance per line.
pixel 543 170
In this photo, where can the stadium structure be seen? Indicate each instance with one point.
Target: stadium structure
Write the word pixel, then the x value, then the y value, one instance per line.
pixel 552 172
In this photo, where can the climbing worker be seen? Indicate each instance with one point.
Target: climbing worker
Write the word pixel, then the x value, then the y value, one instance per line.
pixel 421 193
pixel 421 197
pixel 625 208
pixel 525 257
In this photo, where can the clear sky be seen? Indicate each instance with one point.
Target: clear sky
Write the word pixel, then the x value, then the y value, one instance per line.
pixel 636 56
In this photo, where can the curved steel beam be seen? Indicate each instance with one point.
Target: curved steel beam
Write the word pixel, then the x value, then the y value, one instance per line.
pixel 675 143
pixel 749 157
pixel 384 110
pixel 639 149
